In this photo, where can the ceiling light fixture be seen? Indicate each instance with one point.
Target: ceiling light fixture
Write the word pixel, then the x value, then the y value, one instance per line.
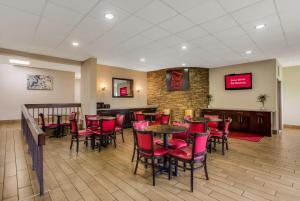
pixel 142 59
pixel 75 44
pixel 183 64
pixel 248 52
pixel 260 26
pixel 183 47
pixel 109 16
pixel 20 62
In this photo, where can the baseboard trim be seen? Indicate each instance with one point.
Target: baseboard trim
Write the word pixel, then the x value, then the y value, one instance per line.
pixel 10 121
pixel 291 126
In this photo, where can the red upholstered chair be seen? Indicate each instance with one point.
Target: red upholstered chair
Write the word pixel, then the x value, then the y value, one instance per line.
pixel 106 132
pixel 157 119
pixel 217 135
pixel 135 113
pixel 52 126
pixel 146 149
pixel 119 124
pixel 67 125
pixel 192 155
pixel 187 118
pixel 165 119
pixel 137 126
pixel 78 135
pixel 212 125
pixel 139 117
pixel 91 124
pixel 179 140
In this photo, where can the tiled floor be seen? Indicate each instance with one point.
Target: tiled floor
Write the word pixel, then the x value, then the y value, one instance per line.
pixel 269 170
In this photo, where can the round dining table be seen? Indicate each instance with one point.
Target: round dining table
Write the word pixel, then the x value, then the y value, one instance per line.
pixel 203 119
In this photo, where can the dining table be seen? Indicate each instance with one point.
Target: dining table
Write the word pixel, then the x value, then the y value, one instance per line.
pixel 59 132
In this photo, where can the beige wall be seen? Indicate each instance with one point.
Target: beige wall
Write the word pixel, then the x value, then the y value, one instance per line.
pixel 14 93
pixel 291 95
pixel 264 82
pixel 104 77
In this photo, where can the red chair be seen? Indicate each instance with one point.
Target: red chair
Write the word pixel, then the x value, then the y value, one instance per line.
pixel 212 125
pixel 165 119
pixel 91 123
pixel 106 133
pixel 67 125
pixel 217 135
pixel 187 118
pixel 195 127
pixel 52 126
pixel 191 155
pixel 137 126
pixel 157 119
pixel 135 113
pixel 139 117
pixel 146 149
pixel 77 135
pixel 119 124
pixel 179 140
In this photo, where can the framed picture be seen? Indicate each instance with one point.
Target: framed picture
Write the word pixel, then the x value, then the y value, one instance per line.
pixel 178 79
pixel 39 82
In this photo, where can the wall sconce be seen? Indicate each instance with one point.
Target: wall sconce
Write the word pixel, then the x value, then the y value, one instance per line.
pixel 103 87
pixel 138 89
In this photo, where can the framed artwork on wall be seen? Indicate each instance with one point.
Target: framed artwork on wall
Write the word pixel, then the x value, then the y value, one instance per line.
pixel 39 82
pixel 178 79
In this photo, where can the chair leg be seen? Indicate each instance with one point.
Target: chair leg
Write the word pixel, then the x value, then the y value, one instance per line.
pixel 114 138
pixel 223 151
pixel 184 166
pixel 133 154
pixel 77 145
pixel 137 162
pixel 86 141
pixel 71 143
pixel 176 167
pixel 153 171
pixel 205 168
pixel 100 143
pixel 122 136
pixel 192 176
pixel 170 168
pixel 226 143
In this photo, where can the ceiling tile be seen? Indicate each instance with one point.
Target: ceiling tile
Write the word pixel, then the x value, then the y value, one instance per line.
pixel 61 14
pixel 206 11
pixel 288 6
pixel 131 5
pixel 192 33
pixel 77 5
pixel 219 24
pixel 254 12
pixel 155 33
pixel 133 43
pixel 232 5
pixel 182 6
pixel 230 34
pixel 156 12
pixel 176 24
pixel 31 6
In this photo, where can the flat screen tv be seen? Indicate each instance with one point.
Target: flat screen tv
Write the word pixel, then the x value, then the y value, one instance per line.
pixel 238 81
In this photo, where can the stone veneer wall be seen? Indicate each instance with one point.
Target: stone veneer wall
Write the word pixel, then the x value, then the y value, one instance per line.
pixel 178 101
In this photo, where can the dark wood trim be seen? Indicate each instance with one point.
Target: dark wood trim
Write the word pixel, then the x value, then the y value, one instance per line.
pixel 51 105
pixel 113 87
pixel 40 57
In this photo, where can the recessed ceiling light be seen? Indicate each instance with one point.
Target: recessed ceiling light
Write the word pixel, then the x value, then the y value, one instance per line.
pixel 248 52
pixel 184 47
pixel 183 64
pixel 109 16
pixel 75 44
pixel 20 62
pixel 260 26
pixel 142 59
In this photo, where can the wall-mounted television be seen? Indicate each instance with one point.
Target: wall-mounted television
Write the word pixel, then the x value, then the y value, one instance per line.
pixel 238 81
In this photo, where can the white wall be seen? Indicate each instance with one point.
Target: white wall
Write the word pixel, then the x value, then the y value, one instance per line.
pixel 77 91
pixel 14 93
pixel 104 77
pixel 291 95
pixel 264 82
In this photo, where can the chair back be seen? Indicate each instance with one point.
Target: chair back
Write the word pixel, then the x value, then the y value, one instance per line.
pixel 144 142
pixel 42 120
pixel 74 127
pixel 135 113
pixel 183 135
pixel 212 124
pixel 140 117
pixel 199 145
pixel 91 123
pixel 140 125
pixel 108 126
pixel 165 119
pixel 227 123
pixel 158 116
pixel 120 120
pixel 198 127
pixel 187 118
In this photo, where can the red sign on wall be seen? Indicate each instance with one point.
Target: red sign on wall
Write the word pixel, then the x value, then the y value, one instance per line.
pixel 123 91
pixel 238 81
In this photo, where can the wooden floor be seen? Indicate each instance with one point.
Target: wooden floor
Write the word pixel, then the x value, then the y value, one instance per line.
pixel 269 170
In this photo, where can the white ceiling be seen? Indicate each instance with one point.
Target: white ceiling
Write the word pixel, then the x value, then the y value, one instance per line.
pixel 216 32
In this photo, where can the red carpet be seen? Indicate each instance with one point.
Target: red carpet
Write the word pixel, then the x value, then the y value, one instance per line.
pixel 246 136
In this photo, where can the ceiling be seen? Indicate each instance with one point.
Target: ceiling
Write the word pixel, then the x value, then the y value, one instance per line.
pixel 215 32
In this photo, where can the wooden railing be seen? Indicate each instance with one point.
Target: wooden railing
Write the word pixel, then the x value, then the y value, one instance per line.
pixel 35 137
